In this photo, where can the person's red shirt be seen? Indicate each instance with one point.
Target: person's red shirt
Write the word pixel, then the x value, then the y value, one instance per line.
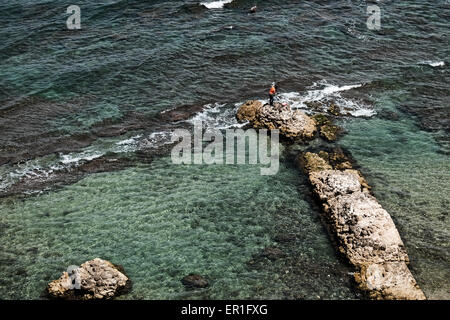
pixel 272 90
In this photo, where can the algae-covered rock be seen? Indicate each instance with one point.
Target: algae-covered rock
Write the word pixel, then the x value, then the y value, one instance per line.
pixel 334 109
pixel 321 119
pixel 344 165
pixel 314 105
pixel 273 253
pixel 324 155
pixel 312 162
pixel 337 156
pixel 330 132
pixel 327 129
pixel 195 281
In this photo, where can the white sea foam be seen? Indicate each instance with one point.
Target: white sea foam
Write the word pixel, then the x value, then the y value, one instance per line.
pixel 216 4
pixel 74 158
pixel 128 141
pixel 218 116
pixel 322 92
pixel 127 145
pixel 28 170
pixel 436 63
pixel 214 115
pixel 326 91
pixel 223 116
pixel 42 168
pixel 155 140
pixel 431 63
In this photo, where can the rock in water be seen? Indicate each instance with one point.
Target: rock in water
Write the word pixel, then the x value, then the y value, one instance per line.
pixel 365 232
pixel 195 281
pixel 327 129
pixel 291 123
pixel 248 111
pixel 321 119
pixel 97 279
pixel 330 132
pixel 273 253
pixel 334 109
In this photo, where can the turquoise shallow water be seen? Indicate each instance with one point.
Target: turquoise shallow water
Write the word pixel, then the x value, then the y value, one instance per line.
pixel 163 221
pixel 70 98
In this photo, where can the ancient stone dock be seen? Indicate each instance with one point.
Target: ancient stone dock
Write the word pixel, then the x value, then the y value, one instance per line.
pixel 363 231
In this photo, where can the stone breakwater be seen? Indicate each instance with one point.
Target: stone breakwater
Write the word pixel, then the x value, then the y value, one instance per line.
pixel 94 280
pixel 291 123
pixel 364 231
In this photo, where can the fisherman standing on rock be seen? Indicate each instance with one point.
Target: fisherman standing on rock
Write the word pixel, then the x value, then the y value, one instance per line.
pixel 272 93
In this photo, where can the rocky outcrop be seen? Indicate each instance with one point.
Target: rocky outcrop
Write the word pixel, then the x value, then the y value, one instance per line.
pixel 291 123
pixel 364 231
pixel 95 279
pixel 330 132
pixel 248 111
pixel 334 109
pixel 329 107
pixel 327 129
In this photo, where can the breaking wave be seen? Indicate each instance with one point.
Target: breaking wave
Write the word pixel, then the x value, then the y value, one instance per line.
pixel 218 116
pixel 434 64
pixel 216 4
pixel 223 116
pixel 323 93
pixel 44 167
pixel 214 115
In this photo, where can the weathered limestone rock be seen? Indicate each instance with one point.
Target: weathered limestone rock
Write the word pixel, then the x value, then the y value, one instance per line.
pixel 95 279
pixel 389 281
pixel 331 183
pixel 291 123
pixel 365 232
pixel 248 111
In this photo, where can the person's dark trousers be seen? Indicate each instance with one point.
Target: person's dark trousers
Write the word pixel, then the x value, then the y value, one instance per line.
pixel 271 99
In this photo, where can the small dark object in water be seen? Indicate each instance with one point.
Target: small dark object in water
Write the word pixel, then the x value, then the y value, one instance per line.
pixel 285 237
pixel 273 253
pixel 253 9
pixel 195 281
